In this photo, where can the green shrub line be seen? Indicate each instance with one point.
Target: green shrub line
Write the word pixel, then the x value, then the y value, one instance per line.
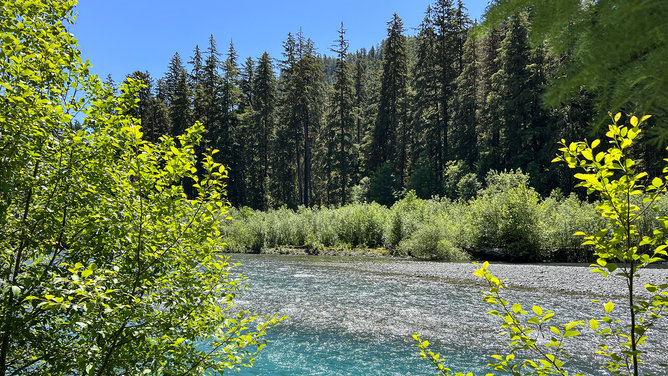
pixel 507 219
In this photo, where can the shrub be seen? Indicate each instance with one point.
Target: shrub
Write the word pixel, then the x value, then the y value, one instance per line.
pixel 507 215
pixel 563 217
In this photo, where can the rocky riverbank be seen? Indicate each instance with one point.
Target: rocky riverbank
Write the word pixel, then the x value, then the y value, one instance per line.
pixel 561 278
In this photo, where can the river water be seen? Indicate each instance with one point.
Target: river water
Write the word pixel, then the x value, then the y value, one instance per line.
pixel 345 320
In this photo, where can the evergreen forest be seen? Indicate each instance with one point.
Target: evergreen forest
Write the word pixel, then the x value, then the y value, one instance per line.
pixel 416 112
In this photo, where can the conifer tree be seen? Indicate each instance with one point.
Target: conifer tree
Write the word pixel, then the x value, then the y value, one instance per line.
pixel 196 80
pixel 286 164
pixel 231 137
pixel 153 113
pixel 211 99
pixel 178 96
pixel 439 62
pixel 246 75
pixel 465 105
pixel 512 82
pixel 310 82
pixel 301 91
pixel 427 116
pixel 240 136
pixel 262 131
pixel 387 140
pixel 615 49
pixel 489 123
pixel 361 110
pixel 340 125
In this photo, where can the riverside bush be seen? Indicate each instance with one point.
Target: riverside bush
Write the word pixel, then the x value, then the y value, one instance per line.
pixel 506 214
pixel 435 240
pixel 563 217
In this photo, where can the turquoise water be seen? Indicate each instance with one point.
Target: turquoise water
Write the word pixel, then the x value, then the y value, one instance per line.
pixel 345 321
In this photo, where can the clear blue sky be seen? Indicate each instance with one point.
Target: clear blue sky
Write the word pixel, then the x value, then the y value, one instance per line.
pixel 122 36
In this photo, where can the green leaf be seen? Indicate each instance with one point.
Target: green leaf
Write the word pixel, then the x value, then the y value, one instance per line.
pixel 571 333
pixel 538 310
pixel 609 307
pixel 593 324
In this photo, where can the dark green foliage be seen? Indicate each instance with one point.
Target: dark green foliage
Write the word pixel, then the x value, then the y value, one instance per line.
pixel 388 139
pixel 383 185
pixel 515 101
pixel 179 96
pixel 465 105
pixel 424 179
pixel 489 124
pixel 438 63
pixel 196 84
pixel 301 93
pixel 262 127
pixel 152 112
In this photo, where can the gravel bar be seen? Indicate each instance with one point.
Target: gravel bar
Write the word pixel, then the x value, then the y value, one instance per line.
pixel 571 279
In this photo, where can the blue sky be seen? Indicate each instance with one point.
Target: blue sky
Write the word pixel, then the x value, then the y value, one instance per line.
pixel 122 36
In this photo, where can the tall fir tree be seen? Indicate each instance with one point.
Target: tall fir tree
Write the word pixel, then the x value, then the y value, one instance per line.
pixel 340 130
pixel 465 105
pixel 516 97
pixel 179 96
pixel 262 130
pixel 361 110
pixel 310 85
pixel 387 140
pixel 196 80
pixel 153 113
pixel 439 62
pixel 210 97
pixel 230 125
pixel 489 123
pixel 240 136
pixel 285 160
pixel 301 87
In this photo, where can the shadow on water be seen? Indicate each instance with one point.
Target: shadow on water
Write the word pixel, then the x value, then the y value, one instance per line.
pixel 347 321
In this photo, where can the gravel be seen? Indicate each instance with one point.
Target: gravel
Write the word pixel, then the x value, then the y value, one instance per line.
pixel 559 278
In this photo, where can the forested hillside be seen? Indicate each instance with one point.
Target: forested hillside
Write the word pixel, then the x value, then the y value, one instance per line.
pixel 433 112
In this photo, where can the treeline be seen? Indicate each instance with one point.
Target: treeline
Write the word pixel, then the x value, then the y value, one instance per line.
pixel 432 113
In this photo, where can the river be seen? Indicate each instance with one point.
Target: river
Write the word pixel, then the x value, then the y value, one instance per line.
pixel 355 317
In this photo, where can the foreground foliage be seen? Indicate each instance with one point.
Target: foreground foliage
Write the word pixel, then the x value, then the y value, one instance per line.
pixel 622 250
pixel 616 49
pixel 106 268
